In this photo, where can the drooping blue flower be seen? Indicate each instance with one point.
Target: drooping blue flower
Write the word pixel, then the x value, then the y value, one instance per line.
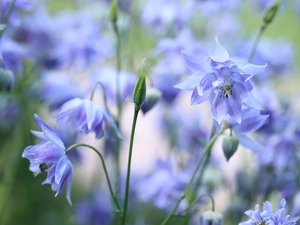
pixel 87 117
pixel 226 84
pixel 50 156
pixel 268 217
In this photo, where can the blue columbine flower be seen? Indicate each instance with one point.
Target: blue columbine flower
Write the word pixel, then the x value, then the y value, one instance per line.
pixel 87 117
pixel 226 84
pixel 50 156
pixel 268 217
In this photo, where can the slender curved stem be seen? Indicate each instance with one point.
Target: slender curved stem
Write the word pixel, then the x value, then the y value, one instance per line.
pixel 197 199
pixel 103 90
pixel 183 195
pixel 206 150
pixel 7 16
pixel 104 168
pixel 119 104
pixel 257 39
pixel 136 111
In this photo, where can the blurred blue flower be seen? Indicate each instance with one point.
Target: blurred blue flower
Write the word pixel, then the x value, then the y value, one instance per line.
pixel 87 117
pixel 13 54
pixel 164 185
pixel 51 85
pixel 226 84
pixel 267 216
pixel 163 15
pixel 10 113
pixel 278 64
pixel 50 156
pixel 94 210
pixel 19 5
pixel 79 41
pixel 107 76
pixel 171 66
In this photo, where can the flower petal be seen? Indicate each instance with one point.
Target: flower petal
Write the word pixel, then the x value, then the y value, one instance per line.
pixel 68 107
pixel 196 62
pixel 197 99
pixel 64 170
pixel 48 132
pixel 191 82
pixel 252 69
pixel 218 108
pixel 219 53
pixel 249 143
pixel 251 121
pixel 90 112
pixel 43 152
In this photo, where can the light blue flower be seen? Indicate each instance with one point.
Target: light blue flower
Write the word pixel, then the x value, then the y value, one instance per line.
pixel 50 156
pixel 268 217
pixel 226 84
pixel 87 116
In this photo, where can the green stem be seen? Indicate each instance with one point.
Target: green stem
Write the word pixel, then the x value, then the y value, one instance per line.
pixel 258 37
pixel 206 151
pixel 136 111
pixel 7 16
pixel 197 199
pixel 104 168
pixel 103 90
pixel 119 105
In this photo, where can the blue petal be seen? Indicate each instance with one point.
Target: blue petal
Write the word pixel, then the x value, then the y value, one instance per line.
pixel 63 172
pixel 196 62
pixel 252 69
pixel 43 152
pixel 48 132
pixel 251 102
pixel 251 121
pixel 218 108
pixel 249 143
pixel 191 82
pixel 219 53
pixel 234 108
pixel 112 123
pixel 68 107
pixel 39 135
pixel 197 99
pixel 90 112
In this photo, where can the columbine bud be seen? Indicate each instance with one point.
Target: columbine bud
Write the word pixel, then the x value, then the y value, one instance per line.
pixel 7 79
pixel 152 97
pixel 271 11
pixel 211 218
pixel 230 145
pixel 140 90
pixel 114 11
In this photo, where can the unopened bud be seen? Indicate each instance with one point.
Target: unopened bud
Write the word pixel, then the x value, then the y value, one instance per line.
pixel 230 145
pixel 211 218
pixel 114 11
pixel 271 11
pixel 7 80
pixel 152 97
pixel 140 90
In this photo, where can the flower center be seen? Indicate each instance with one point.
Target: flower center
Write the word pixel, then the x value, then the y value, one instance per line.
pixel 227 90
pixel 44 166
